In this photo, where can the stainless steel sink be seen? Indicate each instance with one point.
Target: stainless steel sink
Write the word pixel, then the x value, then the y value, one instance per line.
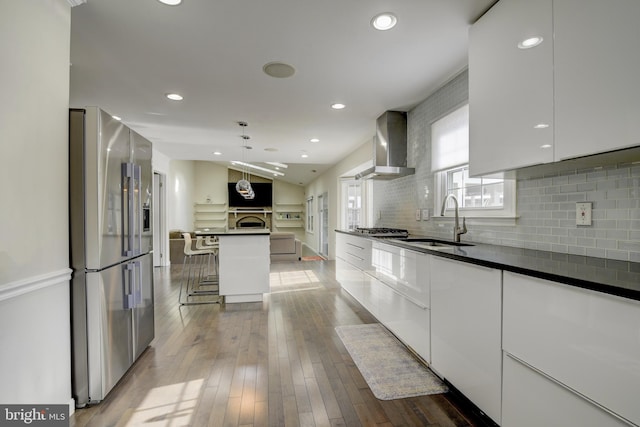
pixel 434 244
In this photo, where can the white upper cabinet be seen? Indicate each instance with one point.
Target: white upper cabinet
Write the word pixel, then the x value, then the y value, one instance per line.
pixel 597 64
pixel 511 88
pixel 574 94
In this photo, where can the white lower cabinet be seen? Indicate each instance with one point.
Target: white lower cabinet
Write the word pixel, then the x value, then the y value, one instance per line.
pixel 466 316
pixel 350 277
pixel 531 399
pixel 400 299
pixel 406 319
pixel 586 340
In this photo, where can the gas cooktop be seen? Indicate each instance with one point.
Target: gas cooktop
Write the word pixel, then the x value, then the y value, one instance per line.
pixel 382 232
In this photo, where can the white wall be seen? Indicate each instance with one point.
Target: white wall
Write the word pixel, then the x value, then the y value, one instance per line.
pixel 180 195
pixel 330 182
pixel 210 181
pixel 35 355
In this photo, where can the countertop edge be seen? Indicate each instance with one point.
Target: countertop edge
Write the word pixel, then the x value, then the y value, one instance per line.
pixel 598 286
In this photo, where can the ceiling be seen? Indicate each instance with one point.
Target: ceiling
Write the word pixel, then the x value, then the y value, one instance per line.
pixel 127 55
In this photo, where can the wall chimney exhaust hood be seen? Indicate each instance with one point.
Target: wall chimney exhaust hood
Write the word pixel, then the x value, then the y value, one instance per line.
pixel 389 148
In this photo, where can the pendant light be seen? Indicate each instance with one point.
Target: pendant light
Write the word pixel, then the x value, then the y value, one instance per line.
pixel 243 186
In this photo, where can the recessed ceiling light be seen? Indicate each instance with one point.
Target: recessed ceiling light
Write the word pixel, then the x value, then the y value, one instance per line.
pixel 384 21
pixel 279 70
pixel 338 106
pixel 118 118
pixel 530 42
pixel 541 126
pixel 171 2
pixel 304 156
pixel 217 153
pixel 545 146
pixel 314 140
pixel 174 96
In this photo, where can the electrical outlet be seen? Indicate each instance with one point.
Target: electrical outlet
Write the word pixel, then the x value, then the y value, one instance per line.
pixel 583 213
pixel 417 214
pixel 425 214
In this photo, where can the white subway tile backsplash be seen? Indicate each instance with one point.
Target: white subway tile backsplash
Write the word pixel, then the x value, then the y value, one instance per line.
pixel 545 205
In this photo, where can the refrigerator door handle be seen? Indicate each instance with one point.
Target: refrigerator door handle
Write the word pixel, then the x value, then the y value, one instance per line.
pixel 127 195
pixel 128 281
pixel 131 209
pixel 137 289
pixel 137 174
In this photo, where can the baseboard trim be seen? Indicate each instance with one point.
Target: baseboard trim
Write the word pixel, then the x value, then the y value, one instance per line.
pixel 31 284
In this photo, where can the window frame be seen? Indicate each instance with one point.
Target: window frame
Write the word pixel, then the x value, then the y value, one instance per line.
pixel 506 211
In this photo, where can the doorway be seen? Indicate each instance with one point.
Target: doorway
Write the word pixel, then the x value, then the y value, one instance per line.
pixel 323 215
pixel 160 235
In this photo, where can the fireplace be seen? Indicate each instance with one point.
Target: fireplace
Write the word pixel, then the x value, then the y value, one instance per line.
pixel 251 221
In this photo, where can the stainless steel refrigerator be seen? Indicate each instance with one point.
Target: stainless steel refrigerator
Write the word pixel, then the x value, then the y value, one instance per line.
pixel 110 190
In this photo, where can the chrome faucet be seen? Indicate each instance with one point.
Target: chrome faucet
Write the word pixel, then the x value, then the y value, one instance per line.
pixel 457 231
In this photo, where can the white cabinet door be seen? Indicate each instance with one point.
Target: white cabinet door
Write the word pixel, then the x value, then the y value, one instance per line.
pixel 597 64
pixel 350 278
pixel 510 89
pixel 408 321
pixel 532 400
pixel 587 340
pixel 466 315
pixel 404 270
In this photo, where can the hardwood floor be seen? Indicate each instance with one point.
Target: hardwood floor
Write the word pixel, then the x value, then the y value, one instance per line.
pixel 276 363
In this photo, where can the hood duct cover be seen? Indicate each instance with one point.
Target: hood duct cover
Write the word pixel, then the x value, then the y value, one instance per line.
pixel 389 148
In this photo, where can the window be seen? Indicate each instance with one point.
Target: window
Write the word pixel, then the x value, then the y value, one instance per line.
pixel 477 197
pixel 310 214
pixel 352 204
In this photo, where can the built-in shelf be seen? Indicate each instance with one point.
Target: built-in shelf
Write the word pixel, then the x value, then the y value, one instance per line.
pixel 210 216
pixel 250 211
pixel 289 215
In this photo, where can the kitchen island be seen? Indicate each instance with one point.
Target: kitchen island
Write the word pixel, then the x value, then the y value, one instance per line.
pixel 244 263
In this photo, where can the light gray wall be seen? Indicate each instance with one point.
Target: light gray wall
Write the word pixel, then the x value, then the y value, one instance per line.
pixel 35 347
pixel 545 204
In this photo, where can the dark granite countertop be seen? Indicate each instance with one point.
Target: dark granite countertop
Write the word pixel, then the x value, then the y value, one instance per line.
pixel 621 278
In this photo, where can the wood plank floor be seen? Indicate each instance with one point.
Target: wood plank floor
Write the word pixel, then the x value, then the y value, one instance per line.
pixel 276 363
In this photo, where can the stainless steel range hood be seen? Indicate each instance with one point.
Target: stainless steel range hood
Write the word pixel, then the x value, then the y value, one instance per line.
pixel 389 148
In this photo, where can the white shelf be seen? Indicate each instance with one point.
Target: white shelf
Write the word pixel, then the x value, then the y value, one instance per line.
pixel 247 211
pixel 210 215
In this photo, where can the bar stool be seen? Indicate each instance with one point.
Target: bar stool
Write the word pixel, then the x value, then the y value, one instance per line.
pixel 207 244
pixel 192 267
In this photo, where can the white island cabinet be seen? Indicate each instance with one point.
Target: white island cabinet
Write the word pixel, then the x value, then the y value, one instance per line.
pixel 244 265
pixel 466 316
pixel 585 342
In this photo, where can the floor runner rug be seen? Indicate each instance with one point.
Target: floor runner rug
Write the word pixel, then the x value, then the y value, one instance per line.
pixel 389 369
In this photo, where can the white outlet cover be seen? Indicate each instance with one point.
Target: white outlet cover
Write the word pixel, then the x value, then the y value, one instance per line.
pixel 583 213
pixel 417 214
pixel 425 214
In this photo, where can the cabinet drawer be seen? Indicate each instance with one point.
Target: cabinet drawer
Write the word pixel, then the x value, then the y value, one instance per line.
pixel 404 270
pixel 354 249
pixel 587 340
pixel 532 400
